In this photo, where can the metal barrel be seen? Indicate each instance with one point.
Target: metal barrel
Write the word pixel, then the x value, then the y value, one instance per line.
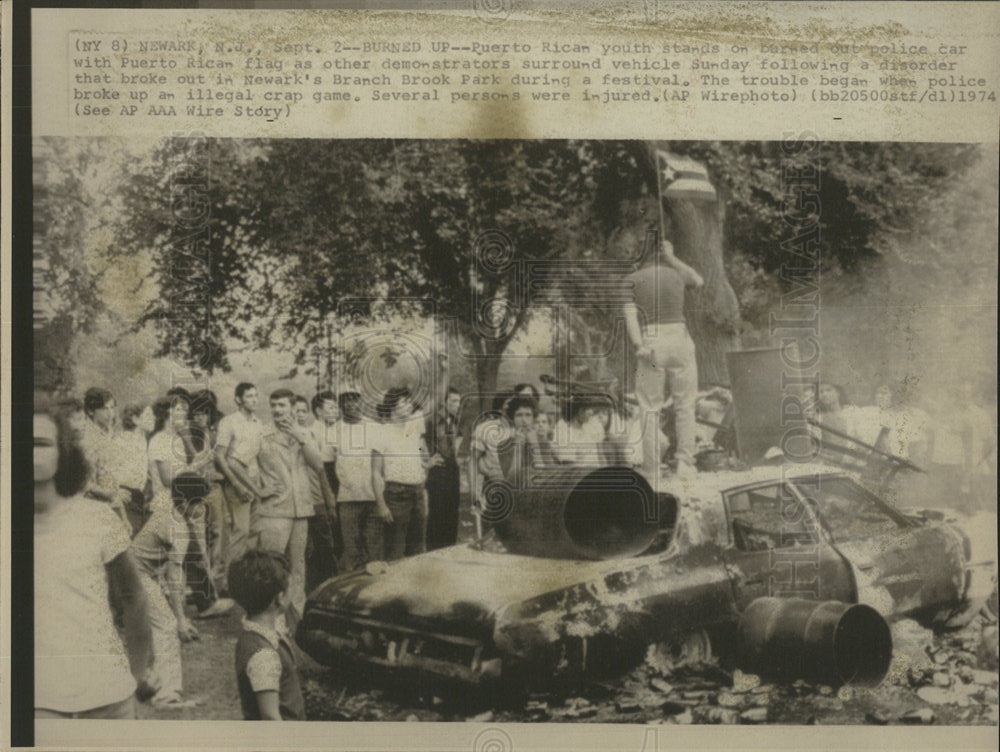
pixel 825 642
pixel 575 513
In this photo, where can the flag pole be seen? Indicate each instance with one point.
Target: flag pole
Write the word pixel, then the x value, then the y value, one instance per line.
pixel 659 200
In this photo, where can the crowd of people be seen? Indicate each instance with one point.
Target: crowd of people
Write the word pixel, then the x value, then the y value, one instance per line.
pixel 953 440
pixel 150 513
pixel 178 505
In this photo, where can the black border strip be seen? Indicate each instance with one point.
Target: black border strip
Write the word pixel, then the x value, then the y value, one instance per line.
pixel 22 613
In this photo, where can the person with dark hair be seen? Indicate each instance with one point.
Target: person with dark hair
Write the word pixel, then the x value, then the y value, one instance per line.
pixel 130 465
pixel 524 449
pixel 361 519
pixel 300 409
pixel 160 549
pixel 171 449
pixel 324 544
pixel 579 434
pixel 491 430
pixel 443 481
pixel 833 411
pixel 266 674
pixel 84 574
pixel 399 471
pixel 527 390
pixel 206 564
pixel 665 355
pixel 97 438
pixel 237 445
pixel 287 457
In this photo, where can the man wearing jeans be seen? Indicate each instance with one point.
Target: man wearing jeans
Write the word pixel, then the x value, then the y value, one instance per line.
pixel 360 521
pixel 287 457
pixel 665 354
pixel 399 471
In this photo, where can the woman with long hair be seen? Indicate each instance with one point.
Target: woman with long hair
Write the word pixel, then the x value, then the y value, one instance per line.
pixel 172 449
pixel 84 575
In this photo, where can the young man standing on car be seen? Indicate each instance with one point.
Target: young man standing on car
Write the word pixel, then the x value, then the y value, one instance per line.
pixel 665 354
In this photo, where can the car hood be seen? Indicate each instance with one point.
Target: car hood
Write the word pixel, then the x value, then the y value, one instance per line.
pixel 458 585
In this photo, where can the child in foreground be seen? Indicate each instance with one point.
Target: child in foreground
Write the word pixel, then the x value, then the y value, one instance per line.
pixel 266 673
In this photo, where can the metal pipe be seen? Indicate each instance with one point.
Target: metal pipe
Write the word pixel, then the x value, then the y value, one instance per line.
pixel 579 513
pixel 825 642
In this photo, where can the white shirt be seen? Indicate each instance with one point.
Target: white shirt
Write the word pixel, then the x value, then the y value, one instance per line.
pixel 131 461
pixel 241 437
pixel 354 443
pixel 167 447
pixel 578 444
pixel 399 444
pixel 80 661
pixel 325 438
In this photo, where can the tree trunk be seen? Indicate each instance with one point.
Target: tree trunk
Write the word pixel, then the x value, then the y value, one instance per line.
pixel 487 367
pixel 712 313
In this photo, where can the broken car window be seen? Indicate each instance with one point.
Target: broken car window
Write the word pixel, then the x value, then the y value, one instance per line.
pixel 847 509
pixel 768 517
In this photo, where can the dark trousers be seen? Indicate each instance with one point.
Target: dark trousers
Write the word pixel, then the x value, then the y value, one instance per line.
pixel 405 535
pixel 443 488
pixel 362 531
pixel 322 549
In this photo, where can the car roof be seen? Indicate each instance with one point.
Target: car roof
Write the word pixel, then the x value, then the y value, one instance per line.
pixel 719 482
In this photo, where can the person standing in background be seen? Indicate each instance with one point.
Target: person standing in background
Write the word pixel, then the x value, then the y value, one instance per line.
pixel 491 431
pixel 443 482
pixel 323 545
pixel 131 465
pixel 211 529
pixel 287 458
pixel 399 471
pixel 171 449
pixel 236 449
pixel 97 437
pixel 361 518
pixel 303 415
pixel 979 449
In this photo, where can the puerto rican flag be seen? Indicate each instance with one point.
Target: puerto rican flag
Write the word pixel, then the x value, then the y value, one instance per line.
pixel 680 177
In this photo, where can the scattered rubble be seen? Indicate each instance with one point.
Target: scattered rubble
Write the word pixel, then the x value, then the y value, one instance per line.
pixel 938 679
pixel 754 715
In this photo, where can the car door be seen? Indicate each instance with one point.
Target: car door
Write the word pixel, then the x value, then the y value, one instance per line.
pixel 777 548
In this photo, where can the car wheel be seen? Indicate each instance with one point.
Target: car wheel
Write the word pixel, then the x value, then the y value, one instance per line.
pixel 691 649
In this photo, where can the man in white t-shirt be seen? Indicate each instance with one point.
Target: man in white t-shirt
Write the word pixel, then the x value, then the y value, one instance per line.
pixel 399 471
pixel 236 450
pixel 360 519
pixel 83 569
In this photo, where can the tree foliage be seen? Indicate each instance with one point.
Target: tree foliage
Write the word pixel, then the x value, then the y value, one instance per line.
pixel 266 243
